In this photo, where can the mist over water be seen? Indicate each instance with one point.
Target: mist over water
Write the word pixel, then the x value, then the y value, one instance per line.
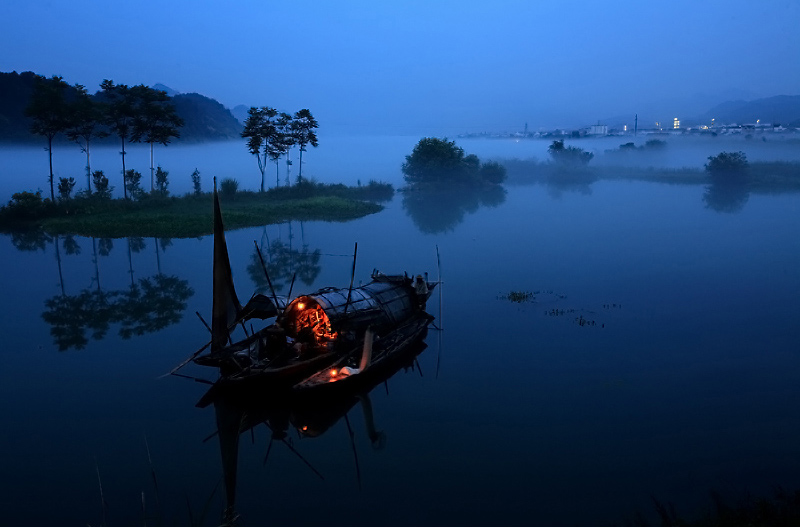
pixel 350 159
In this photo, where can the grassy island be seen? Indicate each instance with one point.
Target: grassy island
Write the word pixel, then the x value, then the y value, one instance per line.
pixel 190 216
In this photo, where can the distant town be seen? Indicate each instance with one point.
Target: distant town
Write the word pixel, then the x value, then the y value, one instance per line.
pixel 673 128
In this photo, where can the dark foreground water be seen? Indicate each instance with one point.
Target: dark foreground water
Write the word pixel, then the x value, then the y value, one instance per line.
pixel 660 357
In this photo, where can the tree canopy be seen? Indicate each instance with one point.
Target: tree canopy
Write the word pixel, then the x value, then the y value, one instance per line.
pixel 439 162
pixel 302 126
pixel 50 113
pixel 86 119
pixel 568 155
pixel 727 163
pixel 262 136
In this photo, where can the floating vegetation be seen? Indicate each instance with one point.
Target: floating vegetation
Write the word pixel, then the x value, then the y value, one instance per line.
pixel 549 296
pixel 586 322
pixel 580 320
pixel 550 292
pixel 519 297
pixel 558 312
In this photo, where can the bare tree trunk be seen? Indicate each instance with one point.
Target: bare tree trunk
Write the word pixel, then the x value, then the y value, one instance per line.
pixel 58 260
pixel 300 171
pixel 50 156
pixel 152 170
pixel 96 264
pixel 124 182
pixel 88 169
pixel 158 257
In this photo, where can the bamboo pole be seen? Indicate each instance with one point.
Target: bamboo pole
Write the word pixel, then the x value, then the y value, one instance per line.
pixel 352 277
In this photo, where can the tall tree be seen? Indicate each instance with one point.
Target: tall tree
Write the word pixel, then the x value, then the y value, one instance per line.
pixel 262 136
pixel 85 124
pixel 156 121
pixel 283 142
pixel 303 126
pixel 49 112
pixel 120 103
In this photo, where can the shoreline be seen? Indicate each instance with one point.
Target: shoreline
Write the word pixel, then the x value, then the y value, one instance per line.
pixel 191 216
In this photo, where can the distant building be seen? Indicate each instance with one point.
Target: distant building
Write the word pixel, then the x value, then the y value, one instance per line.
pixel 676 123
pixel 597 129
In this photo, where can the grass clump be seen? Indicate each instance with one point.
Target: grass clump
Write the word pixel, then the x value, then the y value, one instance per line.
pixel 308 188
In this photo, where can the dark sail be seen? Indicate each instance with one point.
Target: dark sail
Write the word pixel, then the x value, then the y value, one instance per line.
pixel 226 306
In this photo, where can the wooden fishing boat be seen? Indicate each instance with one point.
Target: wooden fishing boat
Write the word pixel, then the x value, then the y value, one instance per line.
pixel 378 355
pixel 312 332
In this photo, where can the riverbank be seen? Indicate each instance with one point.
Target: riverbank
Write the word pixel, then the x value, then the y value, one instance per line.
pixel 190 216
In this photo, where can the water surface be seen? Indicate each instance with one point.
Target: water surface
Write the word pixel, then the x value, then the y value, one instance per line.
pixel 658 357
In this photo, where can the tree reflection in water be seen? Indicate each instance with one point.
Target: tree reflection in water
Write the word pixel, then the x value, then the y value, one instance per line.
pixel 437 210
pixel 563 181
pixel 727 196
pixel 148 305
pixel 31 240
pixel 282 262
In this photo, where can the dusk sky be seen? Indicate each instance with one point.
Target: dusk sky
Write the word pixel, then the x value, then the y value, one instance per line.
pixel 422 66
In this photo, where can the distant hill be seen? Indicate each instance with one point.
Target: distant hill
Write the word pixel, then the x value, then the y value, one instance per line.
pixel 240 112
pixel 781 109
pixel 205 119
pixel 15 91
pixel 169 91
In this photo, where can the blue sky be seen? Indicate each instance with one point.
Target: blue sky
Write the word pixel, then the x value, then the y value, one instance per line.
pixel 422 66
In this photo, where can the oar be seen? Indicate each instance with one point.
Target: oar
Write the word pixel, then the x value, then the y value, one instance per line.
pixel 352 277
pixel 203 321
pixel 195 379
pixel 291 286
pixel 269 448
pixel 441 326
pixel 355 453
pixel 439 267
pixel 309 465
pixel 187 361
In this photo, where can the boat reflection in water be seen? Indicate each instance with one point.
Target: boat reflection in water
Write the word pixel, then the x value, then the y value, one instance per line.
pixel 310 408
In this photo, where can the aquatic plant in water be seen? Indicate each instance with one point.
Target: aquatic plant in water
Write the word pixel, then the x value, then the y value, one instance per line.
pixel 520 297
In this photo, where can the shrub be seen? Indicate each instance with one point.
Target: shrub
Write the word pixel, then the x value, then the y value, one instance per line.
pixel 439 162
pixel 727 163
pixel 569 155
pixel 133 183
pixel 26 204
pixel 65 187
pixel 228 188
pixel 435 160
pixel 196 182
pixel 102 190
pixel 162 182
pixel 655 143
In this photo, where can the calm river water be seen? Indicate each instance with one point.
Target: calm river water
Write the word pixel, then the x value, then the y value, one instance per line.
pixel 659 356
